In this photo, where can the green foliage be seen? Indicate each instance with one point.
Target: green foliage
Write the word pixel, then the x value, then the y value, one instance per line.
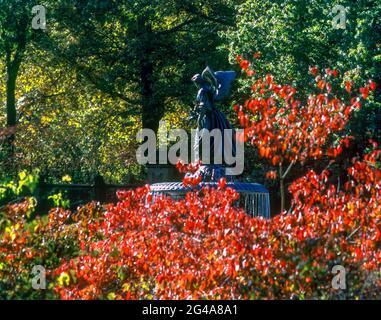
pixel 292 36
pixel 25 185
pixel 59 201
pixel 98 73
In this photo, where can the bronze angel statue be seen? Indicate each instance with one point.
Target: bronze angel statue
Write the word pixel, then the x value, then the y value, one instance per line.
pixel 213 87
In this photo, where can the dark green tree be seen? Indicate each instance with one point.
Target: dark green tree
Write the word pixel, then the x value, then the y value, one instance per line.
pixel 143 52
pixel 16 36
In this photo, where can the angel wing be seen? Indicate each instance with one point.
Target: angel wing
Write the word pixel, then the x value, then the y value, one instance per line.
pixel 221 81
pixel 225 80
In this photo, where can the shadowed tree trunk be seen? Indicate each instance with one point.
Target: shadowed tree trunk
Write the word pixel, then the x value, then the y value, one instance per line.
pixel 13 67
pixel 13 63
pixel 282 177
pixel 152 106
pixel 12 70
pixel 14 49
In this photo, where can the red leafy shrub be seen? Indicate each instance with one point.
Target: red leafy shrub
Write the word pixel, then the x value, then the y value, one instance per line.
pixel 192 177
pixel 44 242
pixel 329 227
pixel 288 129
pixel 193 248
pixel 204 247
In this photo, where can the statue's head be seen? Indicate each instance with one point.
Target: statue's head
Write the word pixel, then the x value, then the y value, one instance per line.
pixel 198 80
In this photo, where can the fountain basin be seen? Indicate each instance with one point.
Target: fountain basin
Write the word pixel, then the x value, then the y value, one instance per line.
pixel 254 197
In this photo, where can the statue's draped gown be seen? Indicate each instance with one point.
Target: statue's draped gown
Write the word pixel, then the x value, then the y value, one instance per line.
pixel 211 118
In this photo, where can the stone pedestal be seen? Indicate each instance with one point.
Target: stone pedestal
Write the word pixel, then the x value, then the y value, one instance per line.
pixel 163 173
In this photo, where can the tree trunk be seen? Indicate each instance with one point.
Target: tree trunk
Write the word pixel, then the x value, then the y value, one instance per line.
pixel 283 176
pixel 14 51
pixel 282 192
pixel 152 110
pixel 12 72
pixel 11 96
pixel 152 107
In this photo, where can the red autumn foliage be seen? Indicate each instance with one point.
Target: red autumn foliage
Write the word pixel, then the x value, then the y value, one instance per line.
pixel 191 179
pixel 272 175
pixel 287 129
pixel 204 247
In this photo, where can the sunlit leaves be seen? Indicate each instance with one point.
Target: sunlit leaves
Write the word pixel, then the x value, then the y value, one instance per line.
pixel 203 247
pixel 287 128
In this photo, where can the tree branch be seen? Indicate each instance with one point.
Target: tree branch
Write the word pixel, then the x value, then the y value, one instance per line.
pixel 193 10
pixel 101 85
pixel 176 28
pixel 288 169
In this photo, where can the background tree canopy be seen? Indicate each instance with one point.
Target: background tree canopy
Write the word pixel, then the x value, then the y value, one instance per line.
pixel 74 95
pixel 292 36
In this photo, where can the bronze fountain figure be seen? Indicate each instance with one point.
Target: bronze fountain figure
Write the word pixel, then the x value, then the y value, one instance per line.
pixel 214 87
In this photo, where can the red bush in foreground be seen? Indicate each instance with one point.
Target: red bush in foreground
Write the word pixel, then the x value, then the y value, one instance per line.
pixel 204 247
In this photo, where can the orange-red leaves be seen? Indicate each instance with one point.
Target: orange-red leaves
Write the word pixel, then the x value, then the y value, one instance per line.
pixel 348 86
pixel 364 91
pixel 372 85
pixel 245 64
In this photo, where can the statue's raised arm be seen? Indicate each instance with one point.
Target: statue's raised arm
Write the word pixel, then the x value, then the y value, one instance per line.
pixel 221 81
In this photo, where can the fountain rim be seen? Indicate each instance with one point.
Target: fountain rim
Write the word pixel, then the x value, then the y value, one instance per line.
pixel 241 187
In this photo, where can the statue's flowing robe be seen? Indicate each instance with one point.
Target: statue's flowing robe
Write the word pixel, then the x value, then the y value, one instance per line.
pixel 211 118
